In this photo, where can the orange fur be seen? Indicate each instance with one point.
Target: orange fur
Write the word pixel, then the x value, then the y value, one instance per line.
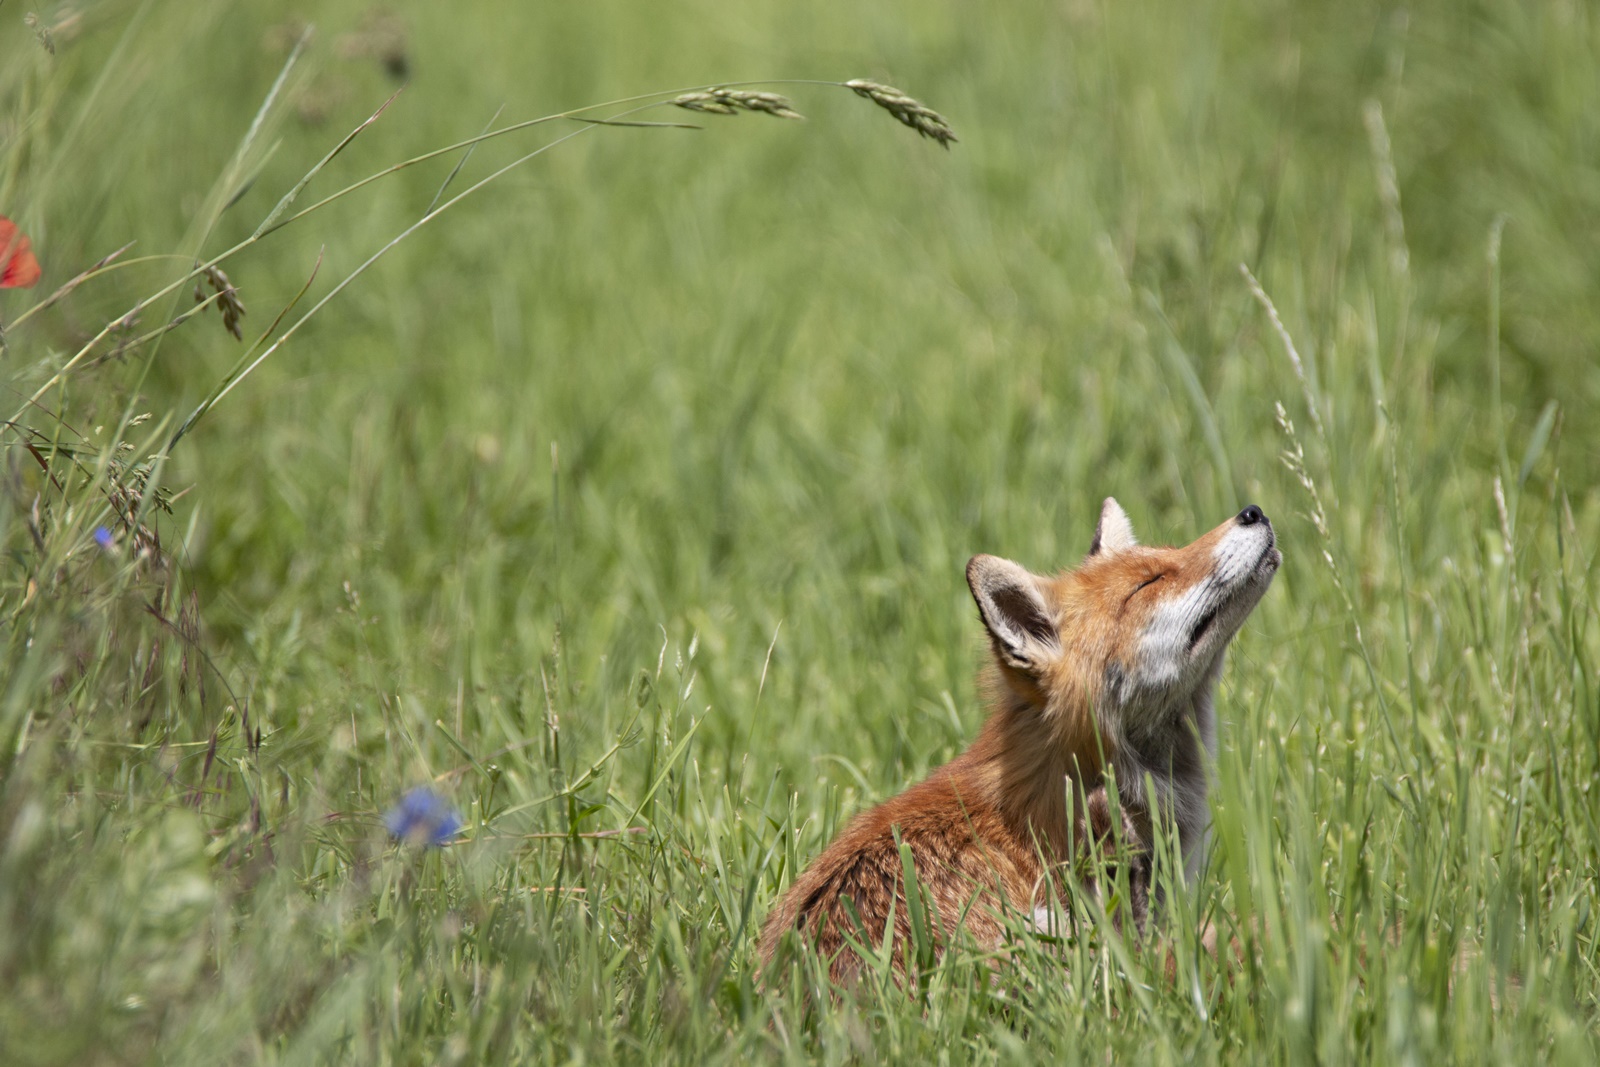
pixel 1029 795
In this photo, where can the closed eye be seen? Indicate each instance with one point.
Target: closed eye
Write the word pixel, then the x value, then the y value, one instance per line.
pixel 1148 581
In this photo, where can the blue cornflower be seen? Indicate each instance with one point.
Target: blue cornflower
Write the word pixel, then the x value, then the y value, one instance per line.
pixel 423 817
pixel 103 538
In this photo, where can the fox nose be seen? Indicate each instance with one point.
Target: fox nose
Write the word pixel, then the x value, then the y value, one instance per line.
pixel 1252 515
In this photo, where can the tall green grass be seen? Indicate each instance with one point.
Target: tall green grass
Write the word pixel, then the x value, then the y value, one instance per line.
pixel 628 501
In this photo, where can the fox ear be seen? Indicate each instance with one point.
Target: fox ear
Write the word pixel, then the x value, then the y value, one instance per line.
pixel 1014 612
pixel 1115 532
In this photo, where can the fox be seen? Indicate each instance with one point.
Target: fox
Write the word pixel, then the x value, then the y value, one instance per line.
pixel 1100 678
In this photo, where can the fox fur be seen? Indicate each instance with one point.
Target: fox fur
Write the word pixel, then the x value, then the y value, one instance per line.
pixel 1105 670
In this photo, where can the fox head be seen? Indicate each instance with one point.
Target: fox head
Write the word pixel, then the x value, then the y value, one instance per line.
pixel 1130 643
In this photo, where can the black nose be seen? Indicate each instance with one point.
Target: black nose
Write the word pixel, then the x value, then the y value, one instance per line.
pixel 1251 515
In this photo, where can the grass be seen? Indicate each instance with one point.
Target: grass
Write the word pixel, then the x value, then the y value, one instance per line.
pixel 628 502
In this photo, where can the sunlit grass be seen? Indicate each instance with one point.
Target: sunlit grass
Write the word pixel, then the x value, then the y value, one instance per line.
pixel 626 505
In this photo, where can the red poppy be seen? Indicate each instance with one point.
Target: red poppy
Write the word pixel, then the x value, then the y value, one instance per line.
pixel 18 268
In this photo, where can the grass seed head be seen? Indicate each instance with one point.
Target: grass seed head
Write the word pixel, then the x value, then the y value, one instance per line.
pixel 913 113
pixel 228 301
pixel 733 101
pixel 765 103
pixel 706 102
pixel 41 32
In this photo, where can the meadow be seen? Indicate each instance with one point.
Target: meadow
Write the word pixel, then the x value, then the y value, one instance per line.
pixel 626 503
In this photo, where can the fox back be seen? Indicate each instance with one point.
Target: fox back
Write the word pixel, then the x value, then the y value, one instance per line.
pixel 1106 671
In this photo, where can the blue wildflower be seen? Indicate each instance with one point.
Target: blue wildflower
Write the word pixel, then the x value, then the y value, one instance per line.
pixel 423 817
pixel 103 538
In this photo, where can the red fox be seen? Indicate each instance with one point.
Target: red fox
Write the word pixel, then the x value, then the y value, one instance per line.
pixel 1109 667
